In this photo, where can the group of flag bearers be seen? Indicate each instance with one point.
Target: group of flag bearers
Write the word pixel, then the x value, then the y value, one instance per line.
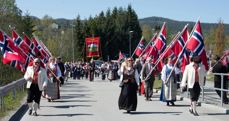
pixel 34 59
pixel 155 58
pixel 185 54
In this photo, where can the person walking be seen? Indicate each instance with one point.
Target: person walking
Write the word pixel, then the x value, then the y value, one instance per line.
pixel 37 79
pixel 128 96
pixel 138 68
pixel 220 68
pixel 168 78
pixel 194 74
pixel 148 82
pixel 62 69
pixel 54 74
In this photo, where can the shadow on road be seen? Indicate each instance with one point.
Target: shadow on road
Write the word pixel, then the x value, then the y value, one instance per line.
pixel 214 114
pixel 180 105
pixel 66 90
pixel 68 115
pixel 142 113
pixel 68 106
pixel 61 101
pixel 69 96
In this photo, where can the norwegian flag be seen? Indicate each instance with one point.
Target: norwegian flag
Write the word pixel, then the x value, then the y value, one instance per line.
pixel 153 53
pixel 43 54
pixel 183 55
pixel 148 47
pixel 121 57
pixel 45 49
pixel 18 65
pixel 3 43
pixel 140 47
pixel 7 44
pixel 196 44
pixel 179 49
pixel 12 55
pixel 32 50
pixel 20 43
pixel 9 56
pixel 160 42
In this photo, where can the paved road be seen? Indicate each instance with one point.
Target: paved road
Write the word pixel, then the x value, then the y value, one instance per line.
pixel 82 100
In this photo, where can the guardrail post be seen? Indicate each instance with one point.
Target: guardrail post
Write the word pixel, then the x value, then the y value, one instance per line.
pixel 221 90
pixel 14 93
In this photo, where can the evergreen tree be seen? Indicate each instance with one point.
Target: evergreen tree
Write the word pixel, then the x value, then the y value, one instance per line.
pixel 28 25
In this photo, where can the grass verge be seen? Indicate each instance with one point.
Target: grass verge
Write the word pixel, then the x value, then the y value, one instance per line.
pixel 11 103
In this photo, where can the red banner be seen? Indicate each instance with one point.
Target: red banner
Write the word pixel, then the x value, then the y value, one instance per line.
pixel 92 46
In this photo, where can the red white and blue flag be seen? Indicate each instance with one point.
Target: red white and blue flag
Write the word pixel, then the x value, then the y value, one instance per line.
pixel 160 42
pixel 140 47
pixel 196 44
pixel 20 42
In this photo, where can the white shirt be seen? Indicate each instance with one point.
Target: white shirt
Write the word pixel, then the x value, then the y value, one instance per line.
pixel 189 75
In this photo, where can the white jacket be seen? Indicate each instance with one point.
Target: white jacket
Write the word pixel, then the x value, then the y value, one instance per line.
pixel 42 77
pixel 189 75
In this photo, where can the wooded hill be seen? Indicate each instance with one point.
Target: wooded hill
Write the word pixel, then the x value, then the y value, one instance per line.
pixel 174 26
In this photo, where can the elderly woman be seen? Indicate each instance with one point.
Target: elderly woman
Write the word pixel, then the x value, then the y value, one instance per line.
pixel 128 95
pixel 36 81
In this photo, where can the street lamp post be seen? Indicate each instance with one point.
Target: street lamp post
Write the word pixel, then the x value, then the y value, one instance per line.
pixel 61 42
pixel 73 51
pixel 130 32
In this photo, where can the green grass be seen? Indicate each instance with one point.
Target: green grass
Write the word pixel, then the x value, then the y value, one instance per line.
pixel 157 84
pixel 210 77
pixel 10 103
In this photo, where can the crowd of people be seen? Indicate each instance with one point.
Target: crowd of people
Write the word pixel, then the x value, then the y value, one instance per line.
pixel 136 77
pixel 141 74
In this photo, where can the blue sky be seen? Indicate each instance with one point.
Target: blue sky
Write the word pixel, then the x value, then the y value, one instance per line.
pixel 209 11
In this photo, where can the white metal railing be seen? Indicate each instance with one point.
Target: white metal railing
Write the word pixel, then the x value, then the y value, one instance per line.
pixel 11 87
pixel 220 89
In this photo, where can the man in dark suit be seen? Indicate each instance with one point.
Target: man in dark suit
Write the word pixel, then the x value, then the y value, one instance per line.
pixel 220 68
pixel 149 82
pixel 62 68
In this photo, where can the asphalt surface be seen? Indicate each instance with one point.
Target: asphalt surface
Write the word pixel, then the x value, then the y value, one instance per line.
pixel 82 100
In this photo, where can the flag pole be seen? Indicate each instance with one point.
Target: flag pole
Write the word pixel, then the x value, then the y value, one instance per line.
pixel 154 36
pixel 137 46
pixel 218 61
pixel 163 54
pixel 182 52
pixel 179 54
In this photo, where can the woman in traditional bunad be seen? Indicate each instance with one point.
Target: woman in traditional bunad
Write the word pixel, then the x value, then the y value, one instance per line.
pixel 54 74
pixel 169 82
pixel 129 87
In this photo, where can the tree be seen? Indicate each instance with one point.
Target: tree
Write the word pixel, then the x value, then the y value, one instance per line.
pixel 10 14
pixel 28 25
pixel 78 38
pixel 147 32
pixel 219 39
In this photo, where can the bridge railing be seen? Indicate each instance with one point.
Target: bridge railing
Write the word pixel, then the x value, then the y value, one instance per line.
pixel 11 87
pixel 220 89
